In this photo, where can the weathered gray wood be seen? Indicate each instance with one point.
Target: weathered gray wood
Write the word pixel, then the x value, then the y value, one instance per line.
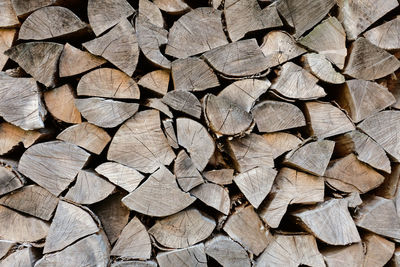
pixel 174 7
pixel 378 250
pixel 5 247
pixel 191 256
pixel 186 173
pixel 148 263
pixel 227 252
pixel 221 177
pixel 10 178
pixel 23 8
pixel 344 255
pixel 281 142
pixel 156 103
pixel 386 35
pixel 8 16
pixel 7 37
pixel 11 136
pixel 156 81
pixel 214 196
pixel 151 11
pixel 183 101
pixel 321 68
pixel 169 132
pixel 24 256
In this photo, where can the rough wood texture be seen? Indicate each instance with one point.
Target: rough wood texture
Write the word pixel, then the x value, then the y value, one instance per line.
pixel 10 178
pixel 151 12
pixel 24 256
pixel 186 173
pixel 172 6
pixel 8 17
pixel 7 37
pixel 321 68
pixel 382 36
pixel 281 142
pixel 169 132
pixel 156 81
pixel 214 196
pixel 24 8
pixel 156 103
pixel 221 177
pixel 191 256
pixel 183 101
pixel 378 250
pixel 227 252
pixel 340 256
pixel 11 136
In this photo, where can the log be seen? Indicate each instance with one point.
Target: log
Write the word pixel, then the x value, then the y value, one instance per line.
pixel 186 173
pixel 169 132
pixel 382 35
pixel 148 263
pixel 11 136
pixel 158 196
pixel 378 250
pixel 214 196
pixel 5 247
pixel 389 186
pixel 10 178
pixel 7 37
pixel 191 256
pixel 221 177
pixel 173 7
pixel 183 101
pixel 281 142
pixel 339 256
pixel 156 81
pixel 24 256
pixel 156 103
pixel 151 11
pixel 182 229
pixel 396 258
pixel 24 8
pixel 8 17
pixel 321 68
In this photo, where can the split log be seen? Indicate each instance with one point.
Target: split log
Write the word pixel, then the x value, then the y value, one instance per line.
pixel 291 250
pixel 120 175
pixel 279 47
pixel 378 215
pixel 394 87
pixel 386 35
pixel 362 99
pixel 151 11
pixel 10 178
pixel 290 187
pixel 169 132
pixel 326 120
pixel 221 177
pixel 378 250
pixel 192 74
pixel 119 46
pixel 295 82
pixel 186 173
pixel 396 258
pixel 156 103
pixel 110 83
pixel 214 196
pixel 238 59
pixel 369 62
pixel 21 228
pixel 51 22
pixel 196 32
pixel 134 242
pixel 7 37
pixel 60 102
pixel 227 252
pixel 352 255
pixel 140 143
pixel 33 200
pixel 250 151
pixel 358 15
pixel 281 142
pixel 328 39
pixel 11 136
pixel 52 165
pixel 89 188
pixel 156 81
pixel 183 229
pixel 22 105
pixel 103 15
pixel 148 263
pixel 224 117
pixel 196 140
pixel 191 256
pixel 158 196
pixel 173 7
pixel 391 183
pixel 274 116
pixel 255 184
pixel 330 222
pixel 24 8
pixel 312 157
pixel 245 16
pixel 5 247
pixel 321 68
pixel 24 256
pixel 105 113
pixel 245 227
pixel 8 17
pixel 301 18
pixel 183 101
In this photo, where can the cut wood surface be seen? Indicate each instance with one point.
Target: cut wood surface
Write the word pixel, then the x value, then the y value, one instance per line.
pixel 281 142
pixel 7 37
pixel 191 256
pixel 382 36
pixel 321 68
pixel 378 250
pixel 183 101
pixel 8 18
pixel 186 172
pixel 343 255
pixel 11 136
pixel 151 12
pixel 174 7
pixel 221 177
pixel 156 81
pixel 10 178
pixel 227 252
pixel 214 196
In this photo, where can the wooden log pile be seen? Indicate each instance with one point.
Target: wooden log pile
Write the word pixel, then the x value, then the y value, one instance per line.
pixel 199 133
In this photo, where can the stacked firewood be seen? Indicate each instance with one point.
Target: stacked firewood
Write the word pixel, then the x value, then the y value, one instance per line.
pixel 195 133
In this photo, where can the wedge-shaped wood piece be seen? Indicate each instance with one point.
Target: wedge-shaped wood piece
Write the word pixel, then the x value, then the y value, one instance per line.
pixel 362 99
pixel 369 62
pixel 383 128
pixel 191 256
pixel 21 228
pixel 295 82
pixel 169 132
pixel 281 142
pixel 7 37
pixel 245 227
pixel 103 15
pixel 352 255
pixel 24 8
pixel 357 15
pixel 196 140
pixel 10 178
pixel 196 32
pixel 214 196
pixel 389 187
pixel 110 83
pixel 156 103
pixel 328 39
pixel 22 105
pixel 11 136
pixel 183 101
pixel 378 215
pixel 138 263
pixel 53 165
pixel 186 172
pixel 60 102
pixel 245 93
pixel 312 157
pixel 386 35
pixel 119 46
pixel 39 59
pixel 193 74
pixel 326 120
pixel 105 113
pixel 251 151
pixel 291 250
pixel 330 222
pixel 93 250
pixel 378 250
pixel 113 216
pixel 274 116
pixel 8 17
pixel 174 7
pixel 183 229
pixel 290 187
pixel 33 200
pixel 245 16
pixel 255 184
pixel 51 22
pixel 140 143
pixel 158 196
pixel 225 117
pixel 151 11
pixel 279 47
pixel 238 59
pixel 227 252
pixel 156 81
pixel 5 247
pixel 134 242
pixel 24 256
pixel 321 68
pixel 221 177
pixel 301 18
